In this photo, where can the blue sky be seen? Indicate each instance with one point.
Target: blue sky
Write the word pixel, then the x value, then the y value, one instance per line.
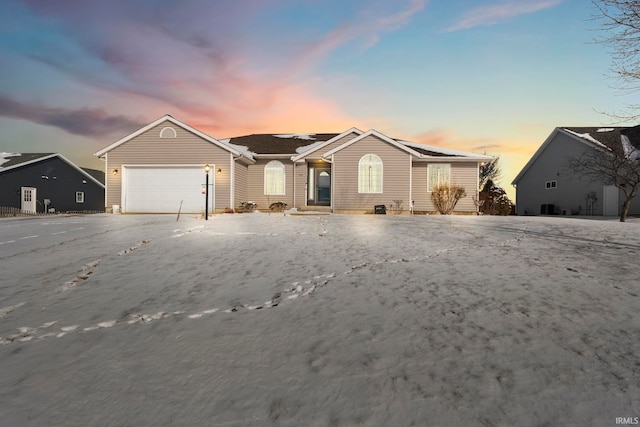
pixel 488 76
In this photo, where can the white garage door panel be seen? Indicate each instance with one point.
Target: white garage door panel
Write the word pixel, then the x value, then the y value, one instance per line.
pixel 160 190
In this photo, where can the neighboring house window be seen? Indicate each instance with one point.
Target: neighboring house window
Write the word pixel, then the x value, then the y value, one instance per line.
pixel 439 174
pixel 370 174
pixel 274 178
pixel 168 132
pixel 79 196
pixel 550 184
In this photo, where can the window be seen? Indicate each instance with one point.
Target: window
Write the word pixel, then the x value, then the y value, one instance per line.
pixel 439 174
pixel 274 178
pixel 168 132
pixel 79 196
pixel 370 174
pixel 550 184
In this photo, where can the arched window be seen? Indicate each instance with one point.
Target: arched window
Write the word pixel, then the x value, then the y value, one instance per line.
pixel 274 178
pixel 370 174
pixel 168 132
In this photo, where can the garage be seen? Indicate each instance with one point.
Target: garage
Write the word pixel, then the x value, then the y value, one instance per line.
pixel 162 189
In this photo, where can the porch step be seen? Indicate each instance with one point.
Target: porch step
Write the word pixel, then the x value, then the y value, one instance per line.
pixel 315 209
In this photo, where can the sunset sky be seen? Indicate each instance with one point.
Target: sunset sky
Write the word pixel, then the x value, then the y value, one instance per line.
pixel 487 76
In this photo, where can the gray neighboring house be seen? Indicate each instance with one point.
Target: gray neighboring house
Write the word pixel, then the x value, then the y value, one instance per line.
pixel 546 187
pixel 41 182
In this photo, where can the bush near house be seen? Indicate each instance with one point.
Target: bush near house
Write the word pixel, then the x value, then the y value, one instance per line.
pixel 445 197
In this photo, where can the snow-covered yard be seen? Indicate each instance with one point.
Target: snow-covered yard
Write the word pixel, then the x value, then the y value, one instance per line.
pixel 342 320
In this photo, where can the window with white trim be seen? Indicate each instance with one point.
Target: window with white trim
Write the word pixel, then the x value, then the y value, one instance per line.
pixel 549 185
pixel 438 174
pixel 168 132
pixel 274 178
pixel 370 174
pixel 79 196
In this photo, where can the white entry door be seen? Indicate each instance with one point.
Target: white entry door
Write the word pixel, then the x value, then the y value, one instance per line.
pixel 28 198
pixel 610 203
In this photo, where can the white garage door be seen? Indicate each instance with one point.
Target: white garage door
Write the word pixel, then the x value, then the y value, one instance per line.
pixel 161 189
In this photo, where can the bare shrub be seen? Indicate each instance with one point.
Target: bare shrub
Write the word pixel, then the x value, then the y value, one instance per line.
pixel 396 207
pixel 445 197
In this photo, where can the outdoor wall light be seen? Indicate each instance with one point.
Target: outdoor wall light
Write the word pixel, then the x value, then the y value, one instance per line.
pixel 219 171
pixel 115 172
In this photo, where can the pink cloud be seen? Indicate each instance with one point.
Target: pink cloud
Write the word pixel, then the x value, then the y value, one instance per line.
pixel 144 62
pixel 369 29
pixel 490 15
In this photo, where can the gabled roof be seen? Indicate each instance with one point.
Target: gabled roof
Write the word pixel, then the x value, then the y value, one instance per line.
pixel 298 145
pixel 599 138
pixel 419 151
pixel 10 161
pixel 234 150
pixel 305 151
pixel 373 132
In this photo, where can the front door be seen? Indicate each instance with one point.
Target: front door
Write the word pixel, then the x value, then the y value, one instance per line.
pixel 319 186
pixel 323 187
pixel 28 200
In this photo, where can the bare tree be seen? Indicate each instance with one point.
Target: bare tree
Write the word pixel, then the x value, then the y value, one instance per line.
pixel 489 171
pixel 620 24
pixel 617 165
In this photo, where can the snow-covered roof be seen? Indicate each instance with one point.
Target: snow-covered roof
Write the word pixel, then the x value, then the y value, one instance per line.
pixel 285 144
pixel 435 151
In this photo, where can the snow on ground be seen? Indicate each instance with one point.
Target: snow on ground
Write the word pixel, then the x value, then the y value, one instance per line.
pixel 342 320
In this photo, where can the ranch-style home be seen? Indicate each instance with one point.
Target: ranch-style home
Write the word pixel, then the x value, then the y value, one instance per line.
pixel 160 168
pixel 546 186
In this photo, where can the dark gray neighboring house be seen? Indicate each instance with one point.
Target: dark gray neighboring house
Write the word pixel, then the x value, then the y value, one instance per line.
pixel 48 182
pixel 546 187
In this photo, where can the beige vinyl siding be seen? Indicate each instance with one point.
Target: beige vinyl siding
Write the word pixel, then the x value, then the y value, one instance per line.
pixel 301 170
pixel 186 149
pixel 255 188
pixel 396 176
pixel 242 177
pixel 463 174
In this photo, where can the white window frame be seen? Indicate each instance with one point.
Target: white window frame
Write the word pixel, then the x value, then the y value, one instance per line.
pixel 172 134
pixel 370 174
pixel 275 178
pixel 551 185
pixel 443 175
pixel 79 196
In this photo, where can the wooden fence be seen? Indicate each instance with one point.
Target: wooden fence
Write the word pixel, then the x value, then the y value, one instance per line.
pixel 6 211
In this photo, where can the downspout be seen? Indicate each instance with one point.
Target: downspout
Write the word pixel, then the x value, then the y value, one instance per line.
pixel 294 185
pixel 410 184
pixel 106 179
pixel 232 181
pixel 477 188
pixel 333 179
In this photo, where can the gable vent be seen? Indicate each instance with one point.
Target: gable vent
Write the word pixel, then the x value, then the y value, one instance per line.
pixel 168 132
